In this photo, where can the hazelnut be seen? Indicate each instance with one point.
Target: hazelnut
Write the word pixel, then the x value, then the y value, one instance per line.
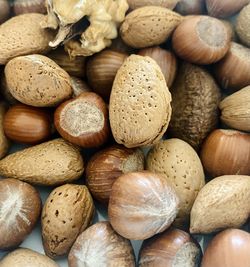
pixel 78 86
pixel 107 165
pixel 226 144
pixel 4 10
pixel 191 7
pixel 201 40
pixel 29 6
pixel 165 59
pixel 173 248
pixel 83 120
pixel 28 125
pixel 101 246
pixel 102 69
pixel 141 205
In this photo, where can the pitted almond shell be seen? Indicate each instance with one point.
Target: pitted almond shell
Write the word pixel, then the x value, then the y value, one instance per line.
pixel 139 103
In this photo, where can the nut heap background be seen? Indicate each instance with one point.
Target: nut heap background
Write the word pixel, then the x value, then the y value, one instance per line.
pixel 139 107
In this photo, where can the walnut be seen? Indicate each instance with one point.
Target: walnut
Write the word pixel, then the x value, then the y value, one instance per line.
pixel 69 18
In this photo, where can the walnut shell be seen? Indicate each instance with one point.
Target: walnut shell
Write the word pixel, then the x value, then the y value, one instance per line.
pixel 180 165
pixel 196 97
pixel 139 103
pixel 67 212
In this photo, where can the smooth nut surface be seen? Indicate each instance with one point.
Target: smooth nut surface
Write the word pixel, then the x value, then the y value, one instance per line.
pixel 141 205
pixel 101 246
pixel 67 212
pixel 37 80
pixel 20 207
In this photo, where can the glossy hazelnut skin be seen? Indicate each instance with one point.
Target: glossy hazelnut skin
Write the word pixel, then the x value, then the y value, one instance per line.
pixel 229 248
pixel 226 152
pixel 4 10
pixel 83 120
pixel 107 165
pixel 27 125
pixel 101 71
pixel 201 40
pixel 171 248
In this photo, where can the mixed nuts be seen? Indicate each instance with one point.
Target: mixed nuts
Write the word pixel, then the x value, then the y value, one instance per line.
pixel 136 108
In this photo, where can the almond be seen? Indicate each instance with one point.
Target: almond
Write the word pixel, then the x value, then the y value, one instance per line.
pixel 26 257
pixel 222 203
pixel 23 35
pixel 20 207
pixel 139 103
pixel 180 165
pixel 235 110
pixel 50 163
pixel 38 81
pixel 148 26
pixel 67 212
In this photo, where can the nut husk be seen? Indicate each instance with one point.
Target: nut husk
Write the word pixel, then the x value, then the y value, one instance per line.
pixel 196 97
pixel 235 110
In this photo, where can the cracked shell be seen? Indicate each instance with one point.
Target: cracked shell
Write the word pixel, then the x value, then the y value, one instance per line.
pixel 23 35
pixel 140 107
pixel 20 207
pixel 37 81
pixel 67 212
pixel 50 163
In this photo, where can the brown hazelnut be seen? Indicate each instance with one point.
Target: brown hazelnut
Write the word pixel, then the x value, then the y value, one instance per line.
pixel 201 40
pixel 107 165
pixel 83 120
pixel 141 205
pixel 102 69
pixel 191 7
pixel 79 86
pixel 4 10
pixel 28 125
pixel 226 152
pixel 165 59
pixel 173 248
pixel 29 6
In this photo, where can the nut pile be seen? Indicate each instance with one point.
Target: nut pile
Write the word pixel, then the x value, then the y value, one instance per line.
pixel 139 107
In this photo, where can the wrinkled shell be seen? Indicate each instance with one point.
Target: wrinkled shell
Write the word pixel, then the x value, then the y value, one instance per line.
pixel 37 80
pixel 67 212
pixel 101 246
pixel 149 26
pixel 20 207
pixel 50 163
pixel 222 203
pixel 23 35
pixel 173 248
pixel 141 205
pixel 4 142
pixel 180 165
pixel 139 103
pixel 223 9
pixel 99 21
pixel 243 25
pixel 133 4
pixel 107 165
pixel 28 258
pixel 235 110
pixel 195 103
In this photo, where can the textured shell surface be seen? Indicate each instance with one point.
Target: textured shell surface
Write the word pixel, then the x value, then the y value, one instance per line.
pixel 140 107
